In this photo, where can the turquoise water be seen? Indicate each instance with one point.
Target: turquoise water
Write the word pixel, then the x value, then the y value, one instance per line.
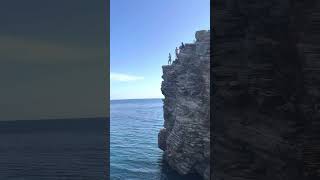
pixel 134 127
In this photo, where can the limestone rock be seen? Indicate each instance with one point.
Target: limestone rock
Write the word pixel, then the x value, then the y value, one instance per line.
pixel 185 138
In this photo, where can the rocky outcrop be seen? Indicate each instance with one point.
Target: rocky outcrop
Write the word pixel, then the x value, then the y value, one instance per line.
pixel 185 137
pixel 266 102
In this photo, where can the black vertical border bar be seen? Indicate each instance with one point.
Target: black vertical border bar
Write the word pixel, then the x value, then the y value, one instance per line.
pixel 106 5
pixel 211 87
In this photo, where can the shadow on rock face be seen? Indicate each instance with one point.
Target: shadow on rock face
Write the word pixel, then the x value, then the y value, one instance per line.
pixel 167 173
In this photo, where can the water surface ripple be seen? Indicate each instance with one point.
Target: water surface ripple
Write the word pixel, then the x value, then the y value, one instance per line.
pixel 134 127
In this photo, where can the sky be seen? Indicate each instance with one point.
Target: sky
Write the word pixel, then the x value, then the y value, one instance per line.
pixel 142 33
pixel 53 59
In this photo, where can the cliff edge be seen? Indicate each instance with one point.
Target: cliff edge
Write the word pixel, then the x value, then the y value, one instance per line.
pixel 185 138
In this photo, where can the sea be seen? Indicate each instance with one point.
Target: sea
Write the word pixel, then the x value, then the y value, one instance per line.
pixel 134 127
pixel 63 149
pixel 79 149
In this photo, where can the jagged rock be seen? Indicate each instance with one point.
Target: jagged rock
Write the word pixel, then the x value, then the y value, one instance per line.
pixel 162 139
pixel 185 138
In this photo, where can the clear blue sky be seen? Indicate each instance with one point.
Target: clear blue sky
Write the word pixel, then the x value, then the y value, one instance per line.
pixel 142 34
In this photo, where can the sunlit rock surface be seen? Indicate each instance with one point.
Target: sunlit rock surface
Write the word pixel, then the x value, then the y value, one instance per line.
pixel 185 137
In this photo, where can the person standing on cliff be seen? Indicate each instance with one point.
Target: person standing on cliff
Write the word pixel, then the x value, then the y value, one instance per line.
pixel 182 45
pixel 169 61
pixel 177 52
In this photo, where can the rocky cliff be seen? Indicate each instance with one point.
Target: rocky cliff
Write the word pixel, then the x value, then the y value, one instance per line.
pixel 266 74
pixel 185 138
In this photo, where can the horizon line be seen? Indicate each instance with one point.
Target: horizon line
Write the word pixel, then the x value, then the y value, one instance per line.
pixel 136 99
pixel 48 119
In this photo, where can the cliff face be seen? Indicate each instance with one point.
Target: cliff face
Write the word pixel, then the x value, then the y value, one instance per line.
pixel 185 137
pixel 266 104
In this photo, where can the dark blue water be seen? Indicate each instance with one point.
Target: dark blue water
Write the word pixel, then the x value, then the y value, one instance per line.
pixel 134 127
pixel 77 149
pixel 53 150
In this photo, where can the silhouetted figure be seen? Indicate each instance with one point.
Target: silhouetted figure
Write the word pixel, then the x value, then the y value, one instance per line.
pixel 169 61
pixel 182 45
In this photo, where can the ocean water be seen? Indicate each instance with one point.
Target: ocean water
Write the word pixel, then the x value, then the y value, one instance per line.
pixel 134 127
pixel 77 149
pixel 53 149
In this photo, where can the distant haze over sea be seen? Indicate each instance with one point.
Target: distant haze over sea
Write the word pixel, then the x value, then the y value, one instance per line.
pixel 135 99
